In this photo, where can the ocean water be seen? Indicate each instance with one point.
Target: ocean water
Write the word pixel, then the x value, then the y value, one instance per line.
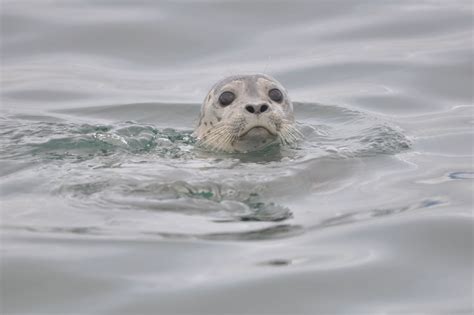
pixel 109 207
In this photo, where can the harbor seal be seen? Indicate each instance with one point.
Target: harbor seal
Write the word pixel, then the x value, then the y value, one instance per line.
pixel 243 113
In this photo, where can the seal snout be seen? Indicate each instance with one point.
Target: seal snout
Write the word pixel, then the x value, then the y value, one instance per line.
pixel 257 109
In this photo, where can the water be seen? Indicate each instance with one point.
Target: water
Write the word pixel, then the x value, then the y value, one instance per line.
pixel 109 207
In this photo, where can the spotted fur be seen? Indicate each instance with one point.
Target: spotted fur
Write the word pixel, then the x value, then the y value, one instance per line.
pixel 232 128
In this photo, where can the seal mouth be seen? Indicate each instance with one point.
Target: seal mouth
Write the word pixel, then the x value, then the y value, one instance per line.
pixel 257 131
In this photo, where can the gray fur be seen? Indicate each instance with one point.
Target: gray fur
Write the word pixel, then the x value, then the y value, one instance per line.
pixel 232 128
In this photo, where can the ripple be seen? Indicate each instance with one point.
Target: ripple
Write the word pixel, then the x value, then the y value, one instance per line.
pixel 135 166
pixel 224 203
pixel 461 175
pixel 47 140
pixel 273 232
pixel 360 216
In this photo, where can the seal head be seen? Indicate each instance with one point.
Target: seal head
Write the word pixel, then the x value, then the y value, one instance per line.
pixel 245 113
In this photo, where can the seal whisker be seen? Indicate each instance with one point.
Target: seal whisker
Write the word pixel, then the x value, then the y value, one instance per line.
pixel 291 128
pixel 286 133
pixel 214 134
pixel 229 139
pixel 289 134
pixel 220 138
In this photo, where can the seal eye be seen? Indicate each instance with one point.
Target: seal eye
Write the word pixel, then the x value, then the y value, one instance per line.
pixel 226 98
pixel 275 95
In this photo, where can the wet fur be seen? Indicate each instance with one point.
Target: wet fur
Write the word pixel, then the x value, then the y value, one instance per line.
pixel 221 128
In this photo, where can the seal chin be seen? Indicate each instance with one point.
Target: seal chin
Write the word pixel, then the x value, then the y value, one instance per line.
pixel 255 138
pixel 257 132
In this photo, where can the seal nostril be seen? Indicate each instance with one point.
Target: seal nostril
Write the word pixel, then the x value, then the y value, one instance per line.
pixel 250 109
pixel 263 108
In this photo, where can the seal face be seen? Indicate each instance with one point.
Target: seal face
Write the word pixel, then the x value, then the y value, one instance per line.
pixel 246 113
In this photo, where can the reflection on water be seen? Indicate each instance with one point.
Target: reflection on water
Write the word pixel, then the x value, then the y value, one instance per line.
pixel 109 204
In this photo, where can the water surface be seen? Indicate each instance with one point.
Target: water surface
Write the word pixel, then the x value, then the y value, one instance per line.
pixel 109 207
